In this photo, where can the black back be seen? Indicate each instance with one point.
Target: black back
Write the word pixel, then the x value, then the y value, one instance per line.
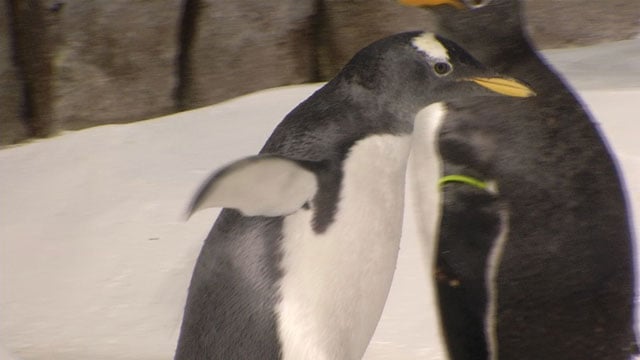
pixel 565 279
pixel 230 307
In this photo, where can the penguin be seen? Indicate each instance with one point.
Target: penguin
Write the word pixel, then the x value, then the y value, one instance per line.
pixel 299 262
pixel 533 254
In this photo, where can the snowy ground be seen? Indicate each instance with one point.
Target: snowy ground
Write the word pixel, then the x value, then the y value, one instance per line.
pixel 95 255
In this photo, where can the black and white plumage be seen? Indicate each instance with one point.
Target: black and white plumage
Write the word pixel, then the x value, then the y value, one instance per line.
pixel 300 263
pixel 542 267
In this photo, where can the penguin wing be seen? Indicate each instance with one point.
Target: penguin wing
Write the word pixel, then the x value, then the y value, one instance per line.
pixel 261 185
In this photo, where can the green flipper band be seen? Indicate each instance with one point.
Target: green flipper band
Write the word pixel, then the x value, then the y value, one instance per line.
pixel 462 179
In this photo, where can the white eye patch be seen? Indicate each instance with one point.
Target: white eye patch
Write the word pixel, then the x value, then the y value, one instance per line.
pixel 476 3
pixel 428 44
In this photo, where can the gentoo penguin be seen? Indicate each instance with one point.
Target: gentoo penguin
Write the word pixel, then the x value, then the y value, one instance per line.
pixel 299 263
pixel 534 253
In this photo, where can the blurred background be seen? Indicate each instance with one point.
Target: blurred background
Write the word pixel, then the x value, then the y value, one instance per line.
pixel 73 64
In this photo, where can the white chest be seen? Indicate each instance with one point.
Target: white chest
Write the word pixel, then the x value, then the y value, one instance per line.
pixel 423 172
pixel 335 284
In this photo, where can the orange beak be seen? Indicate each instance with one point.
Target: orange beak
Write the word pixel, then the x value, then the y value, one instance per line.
pixel 504 86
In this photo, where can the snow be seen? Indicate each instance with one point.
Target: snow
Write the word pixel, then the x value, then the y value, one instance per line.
pixel 96 255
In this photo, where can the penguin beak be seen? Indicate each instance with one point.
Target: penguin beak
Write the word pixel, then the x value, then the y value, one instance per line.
pixel 504 86
pixel 455 3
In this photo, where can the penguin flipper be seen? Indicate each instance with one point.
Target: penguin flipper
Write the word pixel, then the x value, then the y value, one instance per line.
pixel 261 185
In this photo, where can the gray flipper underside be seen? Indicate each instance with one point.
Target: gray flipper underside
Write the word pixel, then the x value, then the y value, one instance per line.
pixel 261 185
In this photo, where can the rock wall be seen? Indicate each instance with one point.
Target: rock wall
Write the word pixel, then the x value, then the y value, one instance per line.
pixel 242 46
pixel 30 50
pixel 12 128
pixel 347 26
pixel 71 64
pixel 113 61
pixel 562 23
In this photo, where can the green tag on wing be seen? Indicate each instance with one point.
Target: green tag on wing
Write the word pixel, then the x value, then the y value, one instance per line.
pixel 462 179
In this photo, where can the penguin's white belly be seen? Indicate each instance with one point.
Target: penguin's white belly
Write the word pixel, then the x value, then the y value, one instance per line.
pixel 424 169
pixel 423 173
pixel 335 284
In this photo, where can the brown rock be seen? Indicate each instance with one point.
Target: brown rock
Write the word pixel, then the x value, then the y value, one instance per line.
pixel 117 61
pixel 247 45
pixel 113 61
pixel 563 23
pixel 349 25
pixel 12 129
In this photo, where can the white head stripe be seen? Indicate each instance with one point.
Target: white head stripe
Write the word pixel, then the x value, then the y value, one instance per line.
pixel 428 44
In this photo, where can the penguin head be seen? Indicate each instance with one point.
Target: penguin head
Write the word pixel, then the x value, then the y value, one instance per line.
pixel 466 7
pixel 474 20
pixel 412 70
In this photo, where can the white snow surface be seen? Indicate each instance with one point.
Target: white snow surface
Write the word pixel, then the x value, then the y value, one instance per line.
pixel 96 255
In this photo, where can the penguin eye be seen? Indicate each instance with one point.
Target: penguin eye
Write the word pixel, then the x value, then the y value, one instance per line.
pixel 442 68
pixel 476 3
